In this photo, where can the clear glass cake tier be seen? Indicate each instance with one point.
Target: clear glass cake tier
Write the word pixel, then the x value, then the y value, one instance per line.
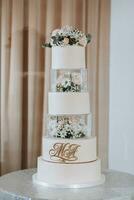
pixel 69 126
pixel 63 80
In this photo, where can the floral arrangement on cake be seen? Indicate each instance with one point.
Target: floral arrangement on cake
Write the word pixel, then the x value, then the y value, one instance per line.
pixel 67 36
pixel 68 82
pixel 66 127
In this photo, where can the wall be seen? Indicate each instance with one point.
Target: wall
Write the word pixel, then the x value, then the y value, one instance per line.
pixel 121 117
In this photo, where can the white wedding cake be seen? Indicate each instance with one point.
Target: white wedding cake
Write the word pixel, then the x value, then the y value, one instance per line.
pixel 69 156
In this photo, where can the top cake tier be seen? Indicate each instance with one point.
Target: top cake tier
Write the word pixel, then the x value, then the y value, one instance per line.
pixel 69 57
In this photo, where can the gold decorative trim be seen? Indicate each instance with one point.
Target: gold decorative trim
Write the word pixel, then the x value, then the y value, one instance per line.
pixel 69 162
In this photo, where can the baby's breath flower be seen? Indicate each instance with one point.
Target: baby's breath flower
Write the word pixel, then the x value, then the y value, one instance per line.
pixel 62 126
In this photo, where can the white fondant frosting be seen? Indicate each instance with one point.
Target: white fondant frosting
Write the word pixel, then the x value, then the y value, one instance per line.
pixel 67 162
pixel 60 174
pixel 68 103
pixel 80 150
pixel 70 57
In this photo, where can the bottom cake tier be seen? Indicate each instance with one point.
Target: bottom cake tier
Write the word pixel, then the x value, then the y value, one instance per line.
pixel 69 175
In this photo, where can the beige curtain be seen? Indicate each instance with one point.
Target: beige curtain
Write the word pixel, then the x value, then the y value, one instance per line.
pixel 25 66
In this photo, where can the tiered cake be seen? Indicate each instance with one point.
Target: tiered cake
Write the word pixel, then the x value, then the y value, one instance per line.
pixel 68 150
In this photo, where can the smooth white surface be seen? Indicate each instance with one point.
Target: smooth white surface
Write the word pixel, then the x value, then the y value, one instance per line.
pixel 121 118
pixel 68 103
pixel 62 174
pixel 71 57
pixel 85 152
pixel 71 186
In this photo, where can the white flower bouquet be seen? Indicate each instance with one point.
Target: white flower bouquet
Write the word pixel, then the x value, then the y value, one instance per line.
pixel 68 82
pixel 66 126
pixel 67 36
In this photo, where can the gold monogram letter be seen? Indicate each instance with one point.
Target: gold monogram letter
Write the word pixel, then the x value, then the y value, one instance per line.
pixel 63 152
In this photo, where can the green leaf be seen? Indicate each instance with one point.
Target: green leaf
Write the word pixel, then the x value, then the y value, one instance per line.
pixel 46 45
pixel 72 41
pixel 88 36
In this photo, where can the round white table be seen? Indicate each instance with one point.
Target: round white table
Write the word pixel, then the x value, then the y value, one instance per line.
pixel 19 186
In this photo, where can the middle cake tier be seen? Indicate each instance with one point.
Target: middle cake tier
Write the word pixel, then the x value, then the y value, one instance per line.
pixel 60 103
pixel 61 150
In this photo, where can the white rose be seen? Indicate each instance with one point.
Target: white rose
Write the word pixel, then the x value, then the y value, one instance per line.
pixel 55 32
pixel 83 41
pixel 76 78
pixel 61 123
pixel 65 41
pixel 60 78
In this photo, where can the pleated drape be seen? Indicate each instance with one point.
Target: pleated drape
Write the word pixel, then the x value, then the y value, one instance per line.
pixel 25 68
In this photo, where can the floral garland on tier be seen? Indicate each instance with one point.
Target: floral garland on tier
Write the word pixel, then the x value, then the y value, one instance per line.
pixel 66 127
pixel 67 36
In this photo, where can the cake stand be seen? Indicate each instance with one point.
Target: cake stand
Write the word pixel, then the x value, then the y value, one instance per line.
pixel 19 186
